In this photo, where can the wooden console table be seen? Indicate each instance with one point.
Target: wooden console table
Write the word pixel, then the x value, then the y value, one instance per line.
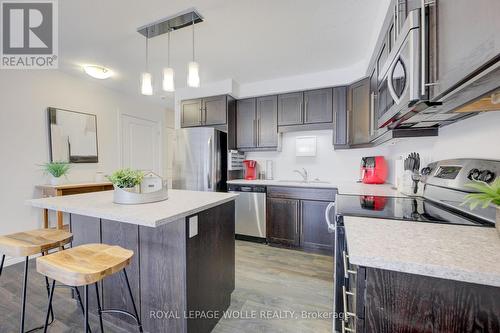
pixel 68 189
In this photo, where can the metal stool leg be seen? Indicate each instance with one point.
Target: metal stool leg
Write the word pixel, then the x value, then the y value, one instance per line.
pixel 47 285
pixel 86 312
pixel 99 309
pixel 139 324
pixel 51 296
pixel 77 292
pixel 1 265
pixel 25 283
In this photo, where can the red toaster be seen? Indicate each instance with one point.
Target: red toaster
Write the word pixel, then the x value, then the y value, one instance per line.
pixel 374 170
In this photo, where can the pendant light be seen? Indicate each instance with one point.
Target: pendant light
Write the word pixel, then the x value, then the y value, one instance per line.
pixel 193 79
pixel 146 78
pixel 168 72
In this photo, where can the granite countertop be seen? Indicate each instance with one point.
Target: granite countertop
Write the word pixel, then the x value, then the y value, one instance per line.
pixel 180 204
pixel 352 188
pixel 462 253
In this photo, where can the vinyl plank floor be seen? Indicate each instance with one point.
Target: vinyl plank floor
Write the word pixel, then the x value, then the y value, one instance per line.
pixel 277 290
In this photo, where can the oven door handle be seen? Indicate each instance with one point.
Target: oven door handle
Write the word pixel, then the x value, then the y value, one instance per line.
pixel 331 226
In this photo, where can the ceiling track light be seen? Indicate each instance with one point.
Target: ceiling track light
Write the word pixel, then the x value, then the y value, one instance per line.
pixel 187 18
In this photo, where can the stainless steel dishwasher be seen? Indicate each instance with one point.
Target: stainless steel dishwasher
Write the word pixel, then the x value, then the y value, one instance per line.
pixel 250 212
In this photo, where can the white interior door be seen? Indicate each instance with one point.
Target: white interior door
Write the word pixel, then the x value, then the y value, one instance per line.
pixel 140 144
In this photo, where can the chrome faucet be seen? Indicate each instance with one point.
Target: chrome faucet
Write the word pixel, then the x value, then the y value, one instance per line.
pixel 304 174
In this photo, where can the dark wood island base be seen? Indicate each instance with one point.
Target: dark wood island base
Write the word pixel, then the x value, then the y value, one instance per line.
pixel 183 283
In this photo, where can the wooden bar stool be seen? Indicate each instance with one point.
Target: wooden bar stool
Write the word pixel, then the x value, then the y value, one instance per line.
pixel 85 265
pixel 25 244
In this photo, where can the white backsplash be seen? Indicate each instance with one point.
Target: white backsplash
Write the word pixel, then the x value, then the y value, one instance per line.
pixel 476 137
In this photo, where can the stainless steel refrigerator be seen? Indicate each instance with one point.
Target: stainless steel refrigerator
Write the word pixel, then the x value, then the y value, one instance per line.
pixel 200 160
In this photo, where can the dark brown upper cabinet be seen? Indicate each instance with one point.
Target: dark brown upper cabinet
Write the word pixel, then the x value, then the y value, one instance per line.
pixel 305 110
pixel 352 125
pixel 256 123
pixel 318 106
pixel 359 107
pixel 341 118
pixel 246 115
pixel 208 111
pixel 267 134
pixel 191 113
pixel 290 109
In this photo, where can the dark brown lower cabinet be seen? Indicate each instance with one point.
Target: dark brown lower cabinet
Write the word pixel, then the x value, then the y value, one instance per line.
pixel 392 302
pixel 283 221
pixel 315 234
pixel 296 218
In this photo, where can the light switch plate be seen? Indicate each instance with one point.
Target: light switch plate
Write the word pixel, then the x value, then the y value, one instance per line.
pixel 193 226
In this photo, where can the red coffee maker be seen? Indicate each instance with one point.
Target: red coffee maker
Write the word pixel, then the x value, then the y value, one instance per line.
pixel 373 170
pixel 250 169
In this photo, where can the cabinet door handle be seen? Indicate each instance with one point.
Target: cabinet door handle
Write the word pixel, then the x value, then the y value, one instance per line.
pixel 347 314
pixel 346 329
pixel 255 132
pixel 306 104
pixel 372 113
pixel 347 271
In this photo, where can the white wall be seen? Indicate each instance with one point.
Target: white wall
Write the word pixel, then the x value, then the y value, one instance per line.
pixel 476 137
pixel 24 98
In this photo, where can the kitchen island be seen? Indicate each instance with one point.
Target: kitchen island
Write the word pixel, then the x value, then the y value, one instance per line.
pixel 182 274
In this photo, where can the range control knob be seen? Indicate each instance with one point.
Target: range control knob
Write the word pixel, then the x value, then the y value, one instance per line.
pixel 487 176
pixel 426 171
pixel 474 174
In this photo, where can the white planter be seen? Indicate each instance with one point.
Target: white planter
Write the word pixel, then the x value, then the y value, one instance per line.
pixel 130 196
pixel 56 180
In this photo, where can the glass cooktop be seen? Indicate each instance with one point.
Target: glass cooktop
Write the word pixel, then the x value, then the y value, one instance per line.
pixel 412 209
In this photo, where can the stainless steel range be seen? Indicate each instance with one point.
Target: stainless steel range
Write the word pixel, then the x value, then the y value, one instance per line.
pixel 445 186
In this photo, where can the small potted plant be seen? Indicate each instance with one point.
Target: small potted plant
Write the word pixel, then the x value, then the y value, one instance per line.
pixel 485 196
pixel 56 170
pixel 127 179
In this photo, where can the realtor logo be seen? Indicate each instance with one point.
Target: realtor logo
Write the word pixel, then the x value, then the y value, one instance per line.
pixel 29 34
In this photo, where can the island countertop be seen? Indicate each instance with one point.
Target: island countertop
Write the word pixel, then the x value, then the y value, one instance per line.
pixel 180 204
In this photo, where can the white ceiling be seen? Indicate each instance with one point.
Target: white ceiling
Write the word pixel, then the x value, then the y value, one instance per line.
pixel 244 40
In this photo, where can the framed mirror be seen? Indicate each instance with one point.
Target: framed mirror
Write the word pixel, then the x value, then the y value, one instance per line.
pixel 72 136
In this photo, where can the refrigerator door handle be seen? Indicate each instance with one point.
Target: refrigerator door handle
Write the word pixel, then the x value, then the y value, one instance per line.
pixel 210 164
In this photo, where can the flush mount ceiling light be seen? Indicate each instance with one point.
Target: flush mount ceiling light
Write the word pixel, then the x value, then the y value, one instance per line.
pixel 187 18
pixel 97 72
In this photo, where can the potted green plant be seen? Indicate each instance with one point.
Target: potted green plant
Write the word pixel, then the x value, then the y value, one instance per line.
pixel 126 179
pixel 486 194
pixel 56 170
